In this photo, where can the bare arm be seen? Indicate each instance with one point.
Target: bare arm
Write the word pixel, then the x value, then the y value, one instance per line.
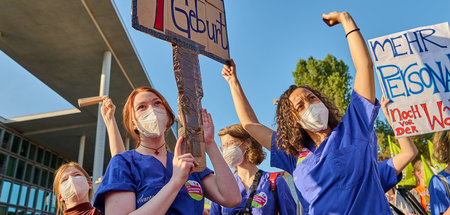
pixel 245 112
pixel 408 149
pixel 121 203
pixel 364 79
pixel 115 140
pixel 220 188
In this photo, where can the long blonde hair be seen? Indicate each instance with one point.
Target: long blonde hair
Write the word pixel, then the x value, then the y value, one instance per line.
pixel 59 172
pixel 441 146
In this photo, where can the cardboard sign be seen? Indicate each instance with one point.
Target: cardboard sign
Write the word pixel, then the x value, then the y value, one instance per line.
pixel 413 68
pixel 195 24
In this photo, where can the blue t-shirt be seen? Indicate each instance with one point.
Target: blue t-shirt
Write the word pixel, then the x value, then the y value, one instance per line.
pixel 263 200
pixel 439 201
pixel 388 176
pixel 145 175
pixel 342 175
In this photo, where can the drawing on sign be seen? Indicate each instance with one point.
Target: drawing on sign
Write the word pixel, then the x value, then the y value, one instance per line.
pixel 195 24
pixel 413 69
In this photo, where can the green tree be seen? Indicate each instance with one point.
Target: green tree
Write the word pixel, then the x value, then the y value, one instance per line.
pixel 329 76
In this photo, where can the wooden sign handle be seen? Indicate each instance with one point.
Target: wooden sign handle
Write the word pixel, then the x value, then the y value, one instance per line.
pixel 90 100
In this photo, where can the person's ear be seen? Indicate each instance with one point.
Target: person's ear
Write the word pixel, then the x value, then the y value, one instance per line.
pixel 90 184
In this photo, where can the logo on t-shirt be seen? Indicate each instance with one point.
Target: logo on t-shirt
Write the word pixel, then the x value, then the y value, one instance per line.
pixel 259 200
pixel 302 155
pixel 194 189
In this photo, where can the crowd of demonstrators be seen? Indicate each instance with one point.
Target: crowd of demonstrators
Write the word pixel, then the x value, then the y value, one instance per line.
pixel 332 158
pixel 439 184
pixel 262 192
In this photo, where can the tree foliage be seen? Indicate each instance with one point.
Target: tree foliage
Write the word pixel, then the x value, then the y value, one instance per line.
pixel 329 76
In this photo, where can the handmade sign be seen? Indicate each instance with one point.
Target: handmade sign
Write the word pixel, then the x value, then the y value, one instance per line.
pixel 195 24
pixel 193 27
pixel 413 69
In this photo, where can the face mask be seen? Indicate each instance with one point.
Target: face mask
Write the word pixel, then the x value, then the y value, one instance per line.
pixel 74 188
pixel 315 118
pixel 233 155
pixel 152 123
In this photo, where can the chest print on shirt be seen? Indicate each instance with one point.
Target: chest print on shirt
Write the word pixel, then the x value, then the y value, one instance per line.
pixel 194 189
pixel 302 155
pixel 259 200
pixel 143 199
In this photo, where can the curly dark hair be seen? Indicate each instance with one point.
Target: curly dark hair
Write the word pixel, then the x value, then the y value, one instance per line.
pixel 291 136
pixel 255 153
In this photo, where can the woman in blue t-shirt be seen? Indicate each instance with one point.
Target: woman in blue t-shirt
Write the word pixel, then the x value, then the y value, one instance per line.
pixel 439 195
pixel 333 160
pixel 243 153
pixel 150 179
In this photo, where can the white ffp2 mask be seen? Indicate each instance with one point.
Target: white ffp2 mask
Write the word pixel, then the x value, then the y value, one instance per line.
pixel 153 122
pixel 315 118
pixel 74 188
pixel 233 155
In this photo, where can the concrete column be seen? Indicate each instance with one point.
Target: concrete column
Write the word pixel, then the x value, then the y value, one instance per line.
pixel 81 150
pixel 99 153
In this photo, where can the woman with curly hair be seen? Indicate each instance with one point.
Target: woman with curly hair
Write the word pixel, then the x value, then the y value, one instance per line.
pixel 333 160
pixel 242 152
pixel 439 193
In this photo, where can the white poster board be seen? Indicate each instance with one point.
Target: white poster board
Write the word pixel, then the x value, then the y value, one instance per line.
pixel 199 25
pixel 413 68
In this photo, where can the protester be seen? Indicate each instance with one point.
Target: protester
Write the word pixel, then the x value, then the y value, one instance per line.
pixel 151 180
pixel 73 188
pixel 420 191
pixel 243 153
pixel 338 171
pixel 439 184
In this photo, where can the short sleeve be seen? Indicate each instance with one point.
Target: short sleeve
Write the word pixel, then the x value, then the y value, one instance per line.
pixel 216 209
pixel 279 158
pixel 439 201
pixel 118 177
pixel 286 203
pixel 205 172
pixel 361 114
pixel 388 176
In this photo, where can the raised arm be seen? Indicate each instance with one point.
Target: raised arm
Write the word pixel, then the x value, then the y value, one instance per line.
pixel 364 79
pixel 120 203
pixel 248 118
pixel 115 140
pixel 220 187
pixel 408 149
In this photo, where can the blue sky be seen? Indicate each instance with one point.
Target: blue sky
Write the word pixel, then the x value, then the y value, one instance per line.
pixel 266 39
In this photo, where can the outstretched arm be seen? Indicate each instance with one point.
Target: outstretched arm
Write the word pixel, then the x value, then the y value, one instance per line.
pixel 364 79
pixel 248 118
pixel 220 187
pixel 408 149
pixel 115 139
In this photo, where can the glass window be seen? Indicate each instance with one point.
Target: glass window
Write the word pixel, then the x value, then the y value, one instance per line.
pixel 53 163
pixel 5 191
pixel 58 164
pixel 47 158
pixel 11 166
pixel 20 212
pixel 6 140
pixel 39 199
pixel 53 207
pixel 16 144
pixel 24 148
pixel 48 201
pixel 32 153
pixel 28 172
pixel 40 155
pixel 23 195
pixel 31 197
pixel 11 211
pixel 2 163
pixel 50 180
pixel 2 210
pixel 44 178
pixel 20 169
pixel 29 213
pixel 37 175
pixel 14 194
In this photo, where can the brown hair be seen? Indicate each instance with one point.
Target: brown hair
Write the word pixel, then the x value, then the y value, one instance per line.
pixel 417 165
pixel 291 136
pixel 58 174
pixel 255 153
pixel 128 112
pixel 441 146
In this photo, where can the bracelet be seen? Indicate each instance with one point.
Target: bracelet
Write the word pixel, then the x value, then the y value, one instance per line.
pixel 356 29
